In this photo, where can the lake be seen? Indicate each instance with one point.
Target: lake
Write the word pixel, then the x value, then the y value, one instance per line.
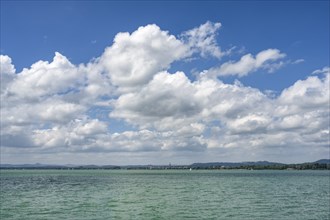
pixel 164 194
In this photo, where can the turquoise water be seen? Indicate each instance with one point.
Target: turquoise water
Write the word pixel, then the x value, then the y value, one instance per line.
pixel 164 194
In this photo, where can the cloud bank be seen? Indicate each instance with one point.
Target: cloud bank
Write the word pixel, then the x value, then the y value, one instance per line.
pixel 55 107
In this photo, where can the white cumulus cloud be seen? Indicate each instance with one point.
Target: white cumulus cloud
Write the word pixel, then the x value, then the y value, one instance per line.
pixel 7 71
pixel 128 101
pixel 202 39
pixel 249 63
pixel 133 59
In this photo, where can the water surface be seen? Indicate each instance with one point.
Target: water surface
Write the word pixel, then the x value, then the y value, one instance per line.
pixel 164 194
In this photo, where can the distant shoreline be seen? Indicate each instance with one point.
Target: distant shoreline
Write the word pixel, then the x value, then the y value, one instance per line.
pixel 323 164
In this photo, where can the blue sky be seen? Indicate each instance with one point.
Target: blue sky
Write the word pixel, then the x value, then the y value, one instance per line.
pixel 293 35
pixel 82 29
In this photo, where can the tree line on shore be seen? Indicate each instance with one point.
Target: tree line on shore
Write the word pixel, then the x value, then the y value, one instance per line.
pixel 323 164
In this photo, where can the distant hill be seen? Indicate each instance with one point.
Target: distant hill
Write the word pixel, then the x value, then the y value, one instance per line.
pixel 319 164
pixel 323 161
pixel 234 164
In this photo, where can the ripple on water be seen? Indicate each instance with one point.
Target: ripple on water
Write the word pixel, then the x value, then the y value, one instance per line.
pixel 87 194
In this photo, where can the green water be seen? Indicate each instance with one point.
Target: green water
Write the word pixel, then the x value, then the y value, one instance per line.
pixel 164 194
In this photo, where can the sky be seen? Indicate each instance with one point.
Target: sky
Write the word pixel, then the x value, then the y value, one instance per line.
pixel 159 82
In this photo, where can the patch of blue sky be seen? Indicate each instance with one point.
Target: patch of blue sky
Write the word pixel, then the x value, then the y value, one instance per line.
pixel 99 112
pixel 114 125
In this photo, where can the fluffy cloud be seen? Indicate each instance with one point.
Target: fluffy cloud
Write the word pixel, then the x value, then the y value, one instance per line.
pixel 325 70
pixel 6 68
pixel 252 123
pixel 312 92
pixel 46 79
pixel 51 111
pixel 127 100
pixel 164 97
pixel 133 59
pixel 202 39
pixel 76 134
pixel 248 63
pixel 7 71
